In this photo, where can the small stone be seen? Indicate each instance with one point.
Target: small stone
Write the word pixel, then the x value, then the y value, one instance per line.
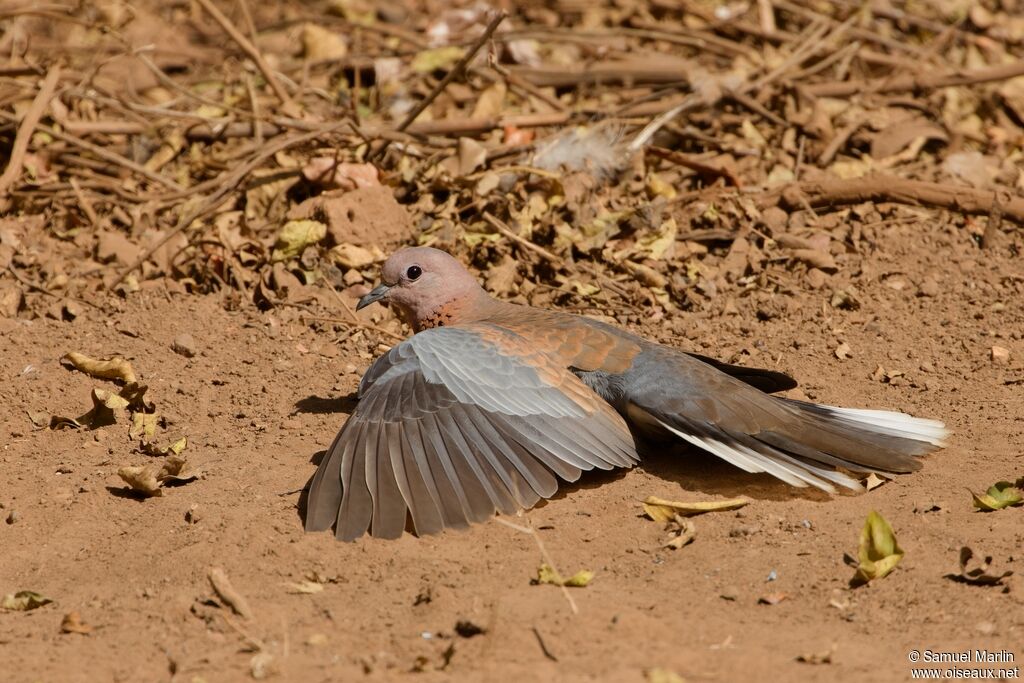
pixel 1000 355
pixel 816 278
pixel 13 517
pixel 730 593
pixel 775 219
pixel 350 369
pixel 184 345
pixel 352 277
pixel 928 287
pixel 316 639
pixel 192 515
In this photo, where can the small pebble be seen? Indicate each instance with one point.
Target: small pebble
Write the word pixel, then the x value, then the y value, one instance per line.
pixel 1000 355
pixel 13 517
pixel 928 287
pixel 184 345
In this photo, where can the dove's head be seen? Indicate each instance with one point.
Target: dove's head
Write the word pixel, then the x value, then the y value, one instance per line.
pixel 427 288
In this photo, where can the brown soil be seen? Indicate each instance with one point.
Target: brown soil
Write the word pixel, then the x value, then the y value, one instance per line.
pixel 266 393
pixel 738 234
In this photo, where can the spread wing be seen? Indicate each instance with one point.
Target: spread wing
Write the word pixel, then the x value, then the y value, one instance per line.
pixel 455 424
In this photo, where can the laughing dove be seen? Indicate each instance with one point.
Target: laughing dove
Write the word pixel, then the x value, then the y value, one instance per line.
pixel 489 404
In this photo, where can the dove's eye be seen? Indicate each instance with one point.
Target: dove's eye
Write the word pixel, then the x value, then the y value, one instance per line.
pixel 413 272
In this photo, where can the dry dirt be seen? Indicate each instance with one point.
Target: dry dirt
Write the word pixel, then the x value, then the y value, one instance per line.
pixel 265 394
pixel 890 290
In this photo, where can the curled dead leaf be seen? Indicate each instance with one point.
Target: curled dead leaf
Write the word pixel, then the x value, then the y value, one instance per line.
pixel 227 593
pixel 141 479
pixel 115 368
pixel 661 510
pixel 879 552
pixel 22 601
pixel 72 623
pixel 1000 495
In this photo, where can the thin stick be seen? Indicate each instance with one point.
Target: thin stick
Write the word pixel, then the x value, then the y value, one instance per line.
pixel 923 81
pixel 355 319
pixel 890 188
pixel 543 553
pixel 27 128
pixel 249 49
pixel 501 227
pixel 459 67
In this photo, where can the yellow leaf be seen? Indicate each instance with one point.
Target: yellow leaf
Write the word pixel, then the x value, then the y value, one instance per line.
pixel 437 58
pixel 22 601
pixel 547 574
pixel 1000 495
pixel 296 236
pixel 879 552
pixel 661 510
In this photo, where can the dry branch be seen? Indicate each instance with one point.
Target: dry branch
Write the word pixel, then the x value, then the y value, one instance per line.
pixel 914 82
pixel 27 127
pixel 889 188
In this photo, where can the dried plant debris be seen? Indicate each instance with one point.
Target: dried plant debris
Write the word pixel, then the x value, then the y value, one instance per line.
pixel 149 480
pixel 661 510
pixel 879 552
pixel 977 574
pixel 72 623
pixel 115 368
pixel 547 574
pixel 1002 494
pixel 228 594
pixel 22 601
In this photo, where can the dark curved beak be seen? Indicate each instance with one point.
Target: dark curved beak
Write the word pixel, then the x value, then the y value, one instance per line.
pixel 375 295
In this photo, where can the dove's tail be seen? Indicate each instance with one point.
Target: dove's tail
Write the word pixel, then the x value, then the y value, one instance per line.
pixel 822 446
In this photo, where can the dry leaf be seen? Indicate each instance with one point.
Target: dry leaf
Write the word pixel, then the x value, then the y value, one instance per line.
pixel 979 575
pixel 437 58
pixel 1000 495
pixel 547 574
pixel 879 552
pixel 296 236
pixel 116 368
pixel 873 481
pixel 72 623
pixel 661 510
pixel 141 479
pixel 227 593
pixel 143 426
pixel 683 533
pixel 22 601
pixel 172 448
pixel 175 468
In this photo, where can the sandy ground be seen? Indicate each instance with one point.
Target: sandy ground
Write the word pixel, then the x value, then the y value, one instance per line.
pixel 266 393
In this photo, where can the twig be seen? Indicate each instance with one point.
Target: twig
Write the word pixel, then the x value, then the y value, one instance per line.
pixel 456 70
pixel 249 49
pixel 83 201
pixel 43 290
pixel 355 319
pixel 27 127
pixel 913 82
pixel 543 645
pixel 889 188
pixel 686 161
pixel 543 553
pixel 501 227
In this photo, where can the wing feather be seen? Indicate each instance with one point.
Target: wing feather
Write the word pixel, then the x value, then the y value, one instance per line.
pixel 453 426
